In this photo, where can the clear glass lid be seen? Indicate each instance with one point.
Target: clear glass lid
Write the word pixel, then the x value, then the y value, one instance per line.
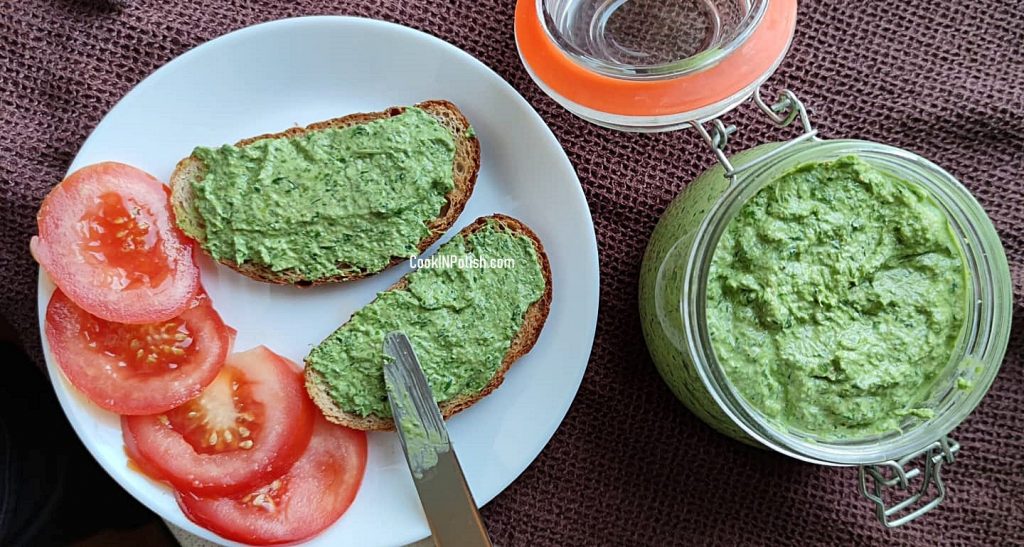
pixel 650 38
pixel 652 65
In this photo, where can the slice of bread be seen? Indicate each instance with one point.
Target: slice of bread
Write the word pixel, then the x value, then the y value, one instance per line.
pixel 464 173
pixel 533 321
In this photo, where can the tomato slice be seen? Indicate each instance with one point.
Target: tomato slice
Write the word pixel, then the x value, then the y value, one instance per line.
pixel 138 369
pixel 246 428
pixel 313 494
pixel 108 240
pixel 135 459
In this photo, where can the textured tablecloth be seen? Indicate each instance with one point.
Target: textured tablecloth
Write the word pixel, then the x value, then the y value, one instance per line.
pixel 629 466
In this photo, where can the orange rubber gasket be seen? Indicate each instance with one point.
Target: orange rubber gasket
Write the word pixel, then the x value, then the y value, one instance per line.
pixel 756 56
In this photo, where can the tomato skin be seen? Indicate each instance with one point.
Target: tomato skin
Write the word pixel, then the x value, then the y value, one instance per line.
pixel 131 449
pixel 107 238
pixel 95 356
pixel 283 430
pixel 312 495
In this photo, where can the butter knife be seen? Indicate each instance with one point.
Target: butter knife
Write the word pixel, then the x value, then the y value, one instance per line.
pixel 444 495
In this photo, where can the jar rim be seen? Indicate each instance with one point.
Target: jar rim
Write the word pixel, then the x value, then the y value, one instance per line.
pixel 988 321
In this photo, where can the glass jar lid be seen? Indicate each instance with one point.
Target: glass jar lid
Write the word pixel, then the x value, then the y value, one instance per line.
pixel 652 64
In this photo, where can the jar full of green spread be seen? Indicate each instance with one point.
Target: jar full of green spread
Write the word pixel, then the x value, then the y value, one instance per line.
pixel 843 302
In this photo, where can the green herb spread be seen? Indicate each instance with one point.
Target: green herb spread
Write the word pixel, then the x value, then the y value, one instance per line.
pixel 835 298
pixel 331 201
pixel 460 321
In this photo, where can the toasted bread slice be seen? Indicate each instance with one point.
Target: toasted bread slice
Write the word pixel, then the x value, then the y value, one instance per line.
pixel 533 321
pixel 464 173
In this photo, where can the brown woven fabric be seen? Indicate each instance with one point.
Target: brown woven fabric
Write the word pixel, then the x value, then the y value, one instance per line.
pixel 629 466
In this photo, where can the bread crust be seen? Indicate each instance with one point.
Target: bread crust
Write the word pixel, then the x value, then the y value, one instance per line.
pixel 525 339
pixel 465 169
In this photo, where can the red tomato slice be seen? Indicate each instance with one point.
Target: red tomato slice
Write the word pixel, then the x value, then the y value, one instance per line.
pixel 246 429
pixel 138 369
pixel 317 490
pixel 135 459
pixel 108 240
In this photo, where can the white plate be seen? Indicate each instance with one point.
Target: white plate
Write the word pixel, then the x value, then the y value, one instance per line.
pixel 271 76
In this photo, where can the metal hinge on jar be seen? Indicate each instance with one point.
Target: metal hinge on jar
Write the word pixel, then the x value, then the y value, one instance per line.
pixel 897 474
pixel 787 109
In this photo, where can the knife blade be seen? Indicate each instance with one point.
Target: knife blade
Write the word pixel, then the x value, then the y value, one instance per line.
pixel 447 502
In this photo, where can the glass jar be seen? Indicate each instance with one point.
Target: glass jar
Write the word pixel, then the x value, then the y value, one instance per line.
pixel 657 65
pixel 673 286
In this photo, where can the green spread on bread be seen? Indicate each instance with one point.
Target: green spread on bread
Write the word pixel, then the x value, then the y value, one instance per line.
pixel 330 200
pixel 461 315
